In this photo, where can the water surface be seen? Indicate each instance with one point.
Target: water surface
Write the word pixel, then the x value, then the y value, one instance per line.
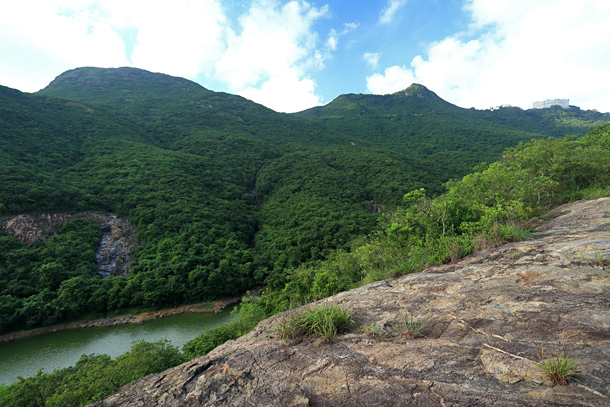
pixel 61 349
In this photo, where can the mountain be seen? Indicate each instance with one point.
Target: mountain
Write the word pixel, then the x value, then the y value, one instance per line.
pixel 471 326
pixel 225 193
pixel 457 139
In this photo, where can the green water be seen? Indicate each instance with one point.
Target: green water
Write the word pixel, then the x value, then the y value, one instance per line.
pixel 62 349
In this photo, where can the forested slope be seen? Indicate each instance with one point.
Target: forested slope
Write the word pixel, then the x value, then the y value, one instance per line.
pixel 225 194
pixel 483 209
pixel 418 122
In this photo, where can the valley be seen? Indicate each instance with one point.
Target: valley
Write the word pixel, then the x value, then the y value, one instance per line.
pixel 224 193
pixel 219 195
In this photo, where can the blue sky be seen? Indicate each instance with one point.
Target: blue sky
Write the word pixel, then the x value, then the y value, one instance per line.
pixel 292 55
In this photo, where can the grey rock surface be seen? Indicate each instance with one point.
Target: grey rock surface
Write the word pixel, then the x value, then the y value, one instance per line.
pixel 486 316
pixel 113 254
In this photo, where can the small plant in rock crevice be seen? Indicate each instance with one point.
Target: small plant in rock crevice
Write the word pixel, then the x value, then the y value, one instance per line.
pixel 289 327
pixel 324 322
pixel 411 328
pixel 560 369
pixel 600 260
pixel 373 331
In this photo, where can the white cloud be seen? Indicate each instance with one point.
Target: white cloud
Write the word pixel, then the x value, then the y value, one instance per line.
pixel 517 52
pixel 388 13
pixel 333 36
pixel 272 46
pixel 333 40
pixel 394 78
pixel 372 59
pixel 348 27
pixel 178 38
pixel 286 92
pixel 276 45
pixel 59 37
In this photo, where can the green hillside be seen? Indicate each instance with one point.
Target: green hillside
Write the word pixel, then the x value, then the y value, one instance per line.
pixel 420 123
pixel 479 211
pixel 226 194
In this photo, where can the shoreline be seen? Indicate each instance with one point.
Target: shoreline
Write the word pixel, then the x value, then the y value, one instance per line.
pixel 216 307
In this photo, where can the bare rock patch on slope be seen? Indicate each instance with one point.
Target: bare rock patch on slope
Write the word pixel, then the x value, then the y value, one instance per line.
pixel 113 253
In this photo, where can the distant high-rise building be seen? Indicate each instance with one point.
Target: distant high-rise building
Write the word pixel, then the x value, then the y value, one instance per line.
pixel 565 103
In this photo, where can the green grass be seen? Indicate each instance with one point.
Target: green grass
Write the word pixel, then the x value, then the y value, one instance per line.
pixel 411 328
pixel 289 327
pixel 595 192
pixel 324 322
pixel 373 331
pixel 560 369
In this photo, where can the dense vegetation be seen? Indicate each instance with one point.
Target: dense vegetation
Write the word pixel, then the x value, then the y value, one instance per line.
pixel 482 209
pixel 47 282
pixel 226 194
pixel 92 378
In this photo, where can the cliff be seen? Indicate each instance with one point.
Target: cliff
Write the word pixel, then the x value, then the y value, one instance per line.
pixel 486 316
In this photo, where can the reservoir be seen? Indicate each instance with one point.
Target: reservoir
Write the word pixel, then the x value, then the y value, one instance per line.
pixel 61 349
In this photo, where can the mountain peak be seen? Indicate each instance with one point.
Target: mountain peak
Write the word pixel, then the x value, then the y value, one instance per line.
pixel 96 84
pixel 420 91
pixel 95 76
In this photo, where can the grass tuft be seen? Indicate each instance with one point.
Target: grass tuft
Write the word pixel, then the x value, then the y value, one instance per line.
pixel 324 322
pixel 559 368
pixel 411 328
pixel 373 331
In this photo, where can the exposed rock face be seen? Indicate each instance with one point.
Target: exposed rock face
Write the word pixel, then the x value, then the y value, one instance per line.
pixel 485 316
pixel 30 228
pixel 375 207
pixel 114 252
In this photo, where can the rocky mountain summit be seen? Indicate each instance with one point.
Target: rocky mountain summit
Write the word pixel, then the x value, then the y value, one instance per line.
pixel 486 318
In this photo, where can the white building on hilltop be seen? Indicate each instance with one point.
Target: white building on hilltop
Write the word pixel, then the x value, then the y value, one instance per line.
pixel 565 103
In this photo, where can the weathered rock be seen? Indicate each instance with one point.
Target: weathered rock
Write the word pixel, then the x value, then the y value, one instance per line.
pixel 113 254
pixel 486 315
pixel 30 228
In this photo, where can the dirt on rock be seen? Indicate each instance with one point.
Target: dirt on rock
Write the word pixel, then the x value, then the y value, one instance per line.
pixel 486 318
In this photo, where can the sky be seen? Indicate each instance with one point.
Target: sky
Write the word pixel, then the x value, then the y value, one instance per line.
pixel 293 55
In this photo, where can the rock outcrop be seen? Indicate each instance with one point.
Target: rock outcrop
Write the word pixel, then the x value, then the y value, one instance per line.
pixel 486 316
pixel 30 228
pixel 113 254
